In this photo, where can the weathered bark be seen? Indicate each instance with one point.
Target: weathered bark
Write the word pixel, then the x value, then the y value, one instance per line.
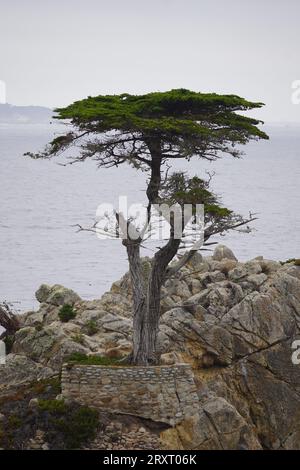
pixel 146 300
pixel 155 177
pixel 147 291
pixel 144 330
pixel 8 321
pixel 139 353
pixel 156 280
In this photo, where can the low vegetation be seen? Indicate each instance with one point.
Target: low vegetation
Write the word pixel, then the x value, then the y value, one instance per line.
pixel 66 313
pixel 295 261
pixel 75 424
pixel 65 425
pixel 78 338
pixel 91 328
pixel 79 358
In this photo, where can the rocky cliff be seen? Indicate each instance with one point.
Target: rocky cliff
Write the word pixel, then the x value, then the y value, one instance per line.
pixel 233 322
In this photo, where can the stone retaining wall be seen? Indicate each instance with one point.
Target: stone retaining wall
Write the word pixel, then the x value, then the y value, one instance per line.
pixel 161 393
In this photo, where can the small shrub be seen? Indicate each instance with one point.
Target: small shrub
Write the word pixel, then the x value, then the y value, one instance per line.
pixel 9 342
pixel 91 327
pixel 79 427
pixel 66 313
pixel 14 422
pixel 53 406
pixel 78 338
pixel 74 425
pixel 52 384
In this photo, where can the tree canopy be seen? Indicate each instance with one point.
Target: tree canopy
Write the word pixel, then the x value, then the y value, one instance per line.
pixel 114 129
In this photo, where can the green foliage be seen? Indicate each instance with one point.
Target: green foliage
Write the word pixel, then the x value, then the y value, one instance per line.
pixel 76 425
pixel 52 384
pixel 295 261
pixel 66 313
pixel 61 141
pixel 12 426
pixel 91 327
pixel 79 358
pixel 180 112
pixel 53 406
pixel 177 124
pixel 14 422
pixel 217 211
pixel 66 425
pixel 78 338
pixel 180 189
pixel 9 342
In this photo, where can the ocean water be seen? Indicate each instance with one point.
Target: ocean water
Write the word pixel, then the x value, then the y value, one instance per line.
pixel 41 202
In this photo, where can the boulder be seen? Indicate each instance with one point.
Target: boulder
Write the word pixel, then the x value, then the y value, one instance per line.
pixel 20 370
pixel 221 252
pixel 171 358
pixel 217 426
pixel 242 271
pixel 43 293
pixel 257 279
pixel 33 403
pixel 196 260
pixel 49 345
pixel 56 295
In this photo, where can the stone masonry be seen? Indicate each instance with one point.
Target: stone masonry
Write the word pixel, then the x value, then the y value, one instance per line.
pixel 160 393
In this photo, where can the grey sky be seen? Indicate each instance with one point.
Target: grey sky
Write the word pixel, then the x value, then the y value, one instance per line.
pixel 54 52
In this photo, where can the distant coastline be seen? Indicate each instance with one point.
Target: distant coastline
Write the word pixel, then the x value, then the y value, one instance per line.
pixel 10 114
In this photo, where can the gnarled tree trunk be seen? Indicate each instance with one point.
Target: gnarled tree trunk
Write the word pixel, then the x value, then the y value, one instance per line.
pixel 147 292
pixel 139 353
pixel 156 280
pixel 146 300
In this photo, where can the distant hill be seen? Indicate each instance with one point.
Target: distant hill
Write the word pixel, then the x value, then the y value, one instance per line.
pixel 25 114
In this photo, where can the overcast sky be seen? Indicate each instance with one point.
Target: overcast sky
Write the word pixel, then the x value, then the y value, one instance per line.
pixel 53 52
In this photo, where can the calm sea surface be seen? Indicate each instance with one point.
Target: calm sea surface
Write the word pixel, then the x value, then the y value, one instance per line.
pixel 41 201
